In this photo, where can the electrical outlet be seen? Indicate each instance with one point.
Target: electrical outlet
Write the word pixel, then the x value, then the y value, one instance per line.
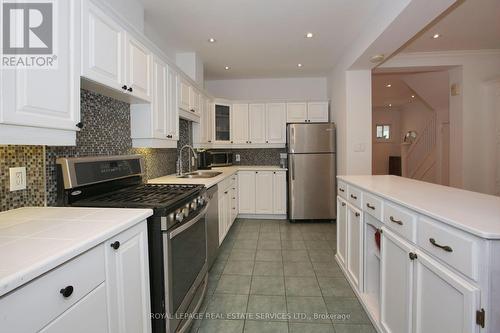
pixel 283 155
pixel 237 157
pixel 17 178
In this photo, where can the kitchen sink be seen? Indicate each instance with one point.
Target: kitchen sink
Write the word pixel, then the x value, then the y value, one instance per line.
pixel 201 174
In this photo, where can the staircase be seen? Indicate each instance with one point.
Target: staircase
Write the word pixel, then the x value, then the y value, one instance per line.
pixel 419 159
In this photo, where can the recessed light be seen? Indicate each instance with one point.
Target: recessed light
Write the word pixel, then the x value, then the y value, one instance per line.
pixel 388 85
pixel 299 65
pixel 309 35
pixel 227 68
pixel 436 36
pixel 377 58
pixel 390 105
pixel 412 96
pixel 212 40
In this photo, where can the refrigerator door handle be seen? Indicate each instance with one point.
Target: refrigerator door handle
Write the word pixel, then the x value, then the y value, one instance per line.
pixel 292 138
pixel 293 168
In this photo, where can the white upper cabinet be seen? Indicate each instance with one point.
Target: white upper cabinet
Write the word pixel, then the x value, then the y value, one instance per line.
pixel 276 123
pixel 102 47
pixel 240 123
pixel 160 101
pixel 310 112
pixel 317 112
pixel 194 100
pixel 257 123
pixel 296 112
pixel 138 69
pixel 48 99
pixel 207 121
pixel 173 105
pixel 184 94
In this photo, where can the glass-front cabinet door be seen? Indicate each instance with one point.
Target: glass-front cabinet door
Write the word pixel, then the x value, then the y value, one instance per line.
pixel 222 122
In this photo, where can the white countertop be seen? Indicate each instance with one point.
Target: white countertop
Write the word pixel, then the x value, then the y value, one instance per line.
pixel 36 240
pixel 209 182
pixel 476 213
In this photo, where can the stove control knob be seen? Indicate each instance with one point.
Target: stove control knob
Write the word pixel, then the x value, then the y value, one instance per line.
pixel 194 206
pixel 185 211
pixel 201 201
pixel 179 217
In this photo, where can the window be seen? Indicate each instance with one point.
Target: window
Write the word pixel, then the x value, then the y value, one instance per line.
pixel 383 132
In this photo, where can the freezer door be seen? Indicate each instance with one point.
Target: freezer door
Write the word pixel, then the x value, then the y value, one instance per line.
pixel 311 138
pixel 311 186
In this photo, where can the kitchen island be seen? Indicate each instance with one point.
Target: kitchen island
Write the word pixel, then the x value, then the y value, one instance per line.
pixel 420 257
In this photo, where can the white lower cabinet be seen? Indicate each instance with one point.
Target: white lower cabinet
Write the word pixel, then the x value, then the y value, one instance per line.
pixel 127 274
pixel 341 231
pixel 262 192
pixel 396 284
pixel 105 289
pixel 418 294
pixel 227 193
pixel 355 246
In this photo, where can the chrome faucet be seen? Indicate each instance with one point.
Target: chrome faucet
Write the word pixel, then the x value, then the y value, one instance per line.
pixel 179 159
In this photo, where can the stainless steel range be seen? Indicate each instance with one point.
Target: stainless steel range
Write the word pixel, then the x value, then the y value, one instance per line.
pixel 176 231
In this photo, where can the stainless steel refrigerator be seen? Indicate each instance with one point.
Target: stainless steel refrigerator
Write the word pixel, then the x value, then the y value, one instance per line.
pixel 311 171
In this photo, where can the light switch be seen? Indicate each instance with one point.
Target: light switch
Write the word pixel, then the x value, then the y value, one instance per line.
pixel 359 148
pixel 17 178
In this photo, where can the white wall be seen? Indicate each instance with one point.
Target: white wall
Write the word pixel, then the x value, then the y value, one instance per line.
pixel 383 149
pixel 469 118
pixel 266 89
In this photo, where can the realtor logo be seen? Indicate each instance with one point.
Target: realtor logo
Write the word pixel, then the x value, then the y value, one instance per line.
pixel 28 34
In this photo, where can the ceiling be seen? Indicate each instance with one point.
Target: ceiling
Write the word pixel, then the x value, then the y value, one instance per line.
pixel 470 25
pixel 258 38
pixel 397 95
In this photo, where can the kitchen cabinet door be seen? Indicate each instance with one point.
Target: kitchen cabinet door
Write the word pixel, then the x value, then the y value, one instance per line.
pixel 47 98
pixel 264 192
pixel 396 284
pixel 341 231
pixel 240 123
pixel 296 112
pixel 127 279
pixel 317 112
pixel 279 192
pixel 103 47
pixel 138 69
pixel 160 100
pixel 184 98
pixel 257 123
pixel 194 100
pixel 88 315
pixel 103 51
pixel 355 246
pixel 444 301
pixel 246 192
pixel 276 123
pixel 173 105
pixel 208 122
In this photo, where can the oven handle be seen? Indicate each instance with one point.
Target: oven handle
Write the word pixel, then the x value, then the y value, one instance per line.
pixel 187 225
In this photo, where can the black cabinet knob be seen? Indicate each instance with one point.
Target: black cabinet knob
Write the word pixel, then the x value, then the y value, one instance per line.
pixel 412 256
pixel 169 136
pixel 130 89
pixel 124 87
pixel 115 245
pixel 79 125
pixel 67 291
pixel 267 141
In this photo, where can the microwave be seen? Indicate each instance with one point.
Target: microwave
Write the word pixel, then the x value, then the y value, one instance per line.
pixel 208 159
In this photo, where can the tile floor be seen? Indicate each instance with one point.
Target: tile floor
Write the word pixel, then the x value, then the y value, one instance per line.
pixel 267 269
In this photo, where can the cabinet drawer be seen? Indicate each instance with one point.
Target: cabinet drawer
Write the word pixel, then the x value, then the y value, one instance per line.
pixel 400 220
pixel 225 185
pixel 354 196
pixel 373 205
pixel 456 248
pixel 41 300
pixel 342 189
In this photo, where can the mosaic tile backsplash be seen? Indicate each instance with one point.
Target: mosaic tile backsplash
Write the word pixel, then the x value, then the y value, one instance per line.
pixel 106 131
pixel 263 156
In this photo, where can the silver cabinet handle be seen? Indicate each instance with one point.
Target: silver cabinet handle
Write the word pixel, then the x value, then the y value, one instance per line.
pixel 393 220
pixel 444 247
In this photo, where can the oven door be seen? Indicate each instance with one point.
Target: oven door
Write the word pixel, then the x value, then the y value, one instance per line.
pixel 185 253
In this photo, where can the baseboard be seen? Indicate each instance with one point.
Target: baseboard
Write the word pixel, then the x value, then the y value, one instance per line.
pixel 262 216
